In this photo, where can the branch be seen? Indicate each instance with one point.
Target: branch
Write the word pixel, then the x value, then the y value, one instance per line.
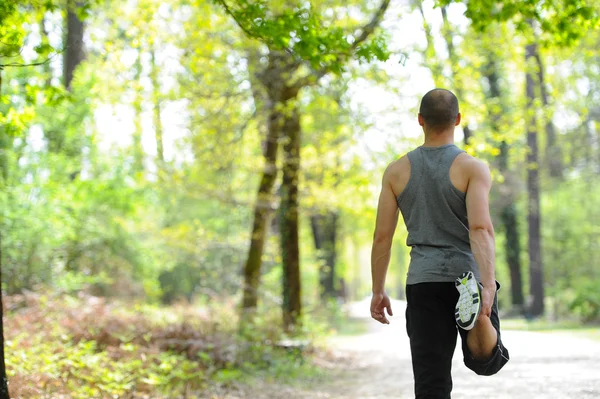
pixel 232 15
pixel 2 66
pixel 366 31
pixel 17 65
pixel 369 28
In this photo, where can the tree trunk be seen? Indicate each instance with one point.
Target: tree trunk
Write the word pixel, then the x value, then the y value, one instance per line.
pixel 597 129
pixel 431 59
pixel 290 253
pixel 508 214
pixel 455 68
pixel 4 145
pixel 156 100
pixel 74 49
pixel 3 183
pixel 3 378
pixel 512 248
pixel 553 152
pixel 535 261
pixel 262 209
pixel 138 150
pixel 324 228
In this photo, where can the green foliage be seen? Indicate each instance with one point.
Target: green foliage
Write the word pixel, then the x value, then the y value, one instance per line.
pixel 303 29
pixel 574 233
pixel 586 301
pixel 87 347
pixel 561 22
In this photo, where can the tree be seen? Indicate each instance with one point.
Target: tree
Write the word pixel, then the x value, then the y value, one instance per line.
pixel 558 22
pixel 138 149
pixel 435 64
pixel 553 154
pixel 431 58
pixel 156 108
pixel 508 214
pixel 12 36
pixel 4 394
pixel 533 190
pixel 11 40
pixel 301 50
pixel 74 52
pixel 456 77
pixel 3 378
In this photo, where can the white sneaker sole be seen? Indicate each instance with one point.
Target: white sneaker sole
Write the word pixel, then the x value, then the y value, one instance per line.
pixel 469 301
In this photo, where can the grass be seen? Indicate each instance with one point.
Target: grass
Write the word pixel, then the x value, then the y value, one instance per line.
pixel 566 326
pixel 350 326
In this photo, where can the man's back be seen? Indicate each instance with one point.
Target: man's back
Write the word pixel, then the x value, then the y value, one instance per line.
pixel 430 185
pixel 435 214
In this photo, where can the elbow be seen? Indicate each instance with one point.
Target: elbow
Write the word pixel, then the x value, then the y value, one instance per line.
pixel 487 229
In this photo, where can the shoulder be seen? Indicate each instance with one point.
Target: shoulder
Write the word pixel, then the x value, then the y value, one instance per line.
pixel 472 165
pixel 397 175
pixel 398 167
pixel 474 169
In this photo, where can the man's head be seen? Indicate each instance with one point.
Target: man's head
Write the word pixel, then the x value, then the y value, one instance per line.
pixel 439 111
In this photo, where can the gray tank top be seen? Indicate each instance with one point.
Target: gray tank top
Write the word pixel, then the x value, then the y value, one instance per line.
pixel 435 214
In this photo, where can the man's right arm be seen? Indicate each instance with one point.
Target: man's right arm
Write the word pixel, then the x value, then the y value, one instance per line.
pixel 481 230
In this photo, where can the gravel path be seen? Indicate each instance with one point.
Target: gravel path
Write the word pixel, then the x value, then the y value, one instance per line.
pixel 376 365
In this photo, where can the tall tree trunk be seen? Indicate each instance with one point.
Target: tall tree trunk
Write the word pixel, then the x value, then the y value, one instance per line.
pixel 597 129
pixel 535 260
pixel 290 253
pixel 264 197
pixel 431 59
pixel 4 146
pixel 74 49
pixel 455 68
pixel 508 214
pixel 324 228
pixel 3 177
pixel 3 378
pixel 262 210
pixel 553 151
pixel 156 101
pixel 138 150
pixel 512 248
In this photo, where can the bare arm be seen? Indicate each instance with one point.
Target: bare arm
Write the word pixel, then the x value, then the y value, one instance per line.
pixel 481 230
pixel 387 219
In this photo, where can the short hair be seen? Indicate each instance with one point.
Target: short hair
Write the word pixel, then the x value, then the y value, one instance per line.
pixel 439 108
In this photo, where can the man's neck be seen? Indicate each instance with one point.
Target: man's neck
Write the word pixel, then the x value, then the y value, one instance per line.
pixel 439 139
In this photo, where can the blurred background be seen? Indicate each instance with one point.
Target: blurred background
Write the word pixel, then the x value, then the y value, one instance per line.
pixel 185 182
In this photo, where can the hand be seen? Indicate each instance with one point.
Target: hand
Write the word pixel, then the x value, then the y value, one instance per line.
pixel 487 300
pixel 379 303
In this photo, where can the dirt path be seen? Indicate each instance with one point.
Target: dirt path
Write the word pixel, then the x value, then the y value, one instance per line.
pixel 376 365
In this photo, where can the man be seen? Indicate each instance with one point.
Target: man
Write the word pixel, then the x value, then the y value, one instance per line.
pixel 442 193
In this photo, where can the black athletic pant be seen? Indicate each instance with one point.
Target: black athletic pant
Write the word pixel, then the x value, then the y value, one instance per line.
pixel 432 331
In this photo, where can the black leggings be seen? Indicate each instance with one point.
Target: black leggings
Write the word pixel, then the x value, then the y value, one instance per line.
pixel 432 331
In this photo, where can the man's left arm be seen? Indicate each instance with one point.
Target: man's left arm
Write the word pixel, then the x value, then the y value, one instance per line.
pixel 387 219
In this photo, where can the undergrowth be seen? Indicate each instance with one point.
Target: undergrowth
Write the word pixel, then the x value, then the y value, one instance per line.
pixel 86 347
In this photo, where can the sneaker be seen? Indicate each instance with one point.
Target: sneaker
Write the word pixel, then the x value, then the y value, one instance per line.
pixel 469 301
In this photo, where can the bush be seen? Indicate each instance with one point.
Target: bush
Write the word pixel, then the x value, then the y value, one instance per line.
pixel 586 301
pixel 82 346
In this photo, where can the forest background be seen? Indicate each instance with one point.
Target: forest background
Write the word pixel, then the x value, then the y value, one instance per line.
pixel 171 172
